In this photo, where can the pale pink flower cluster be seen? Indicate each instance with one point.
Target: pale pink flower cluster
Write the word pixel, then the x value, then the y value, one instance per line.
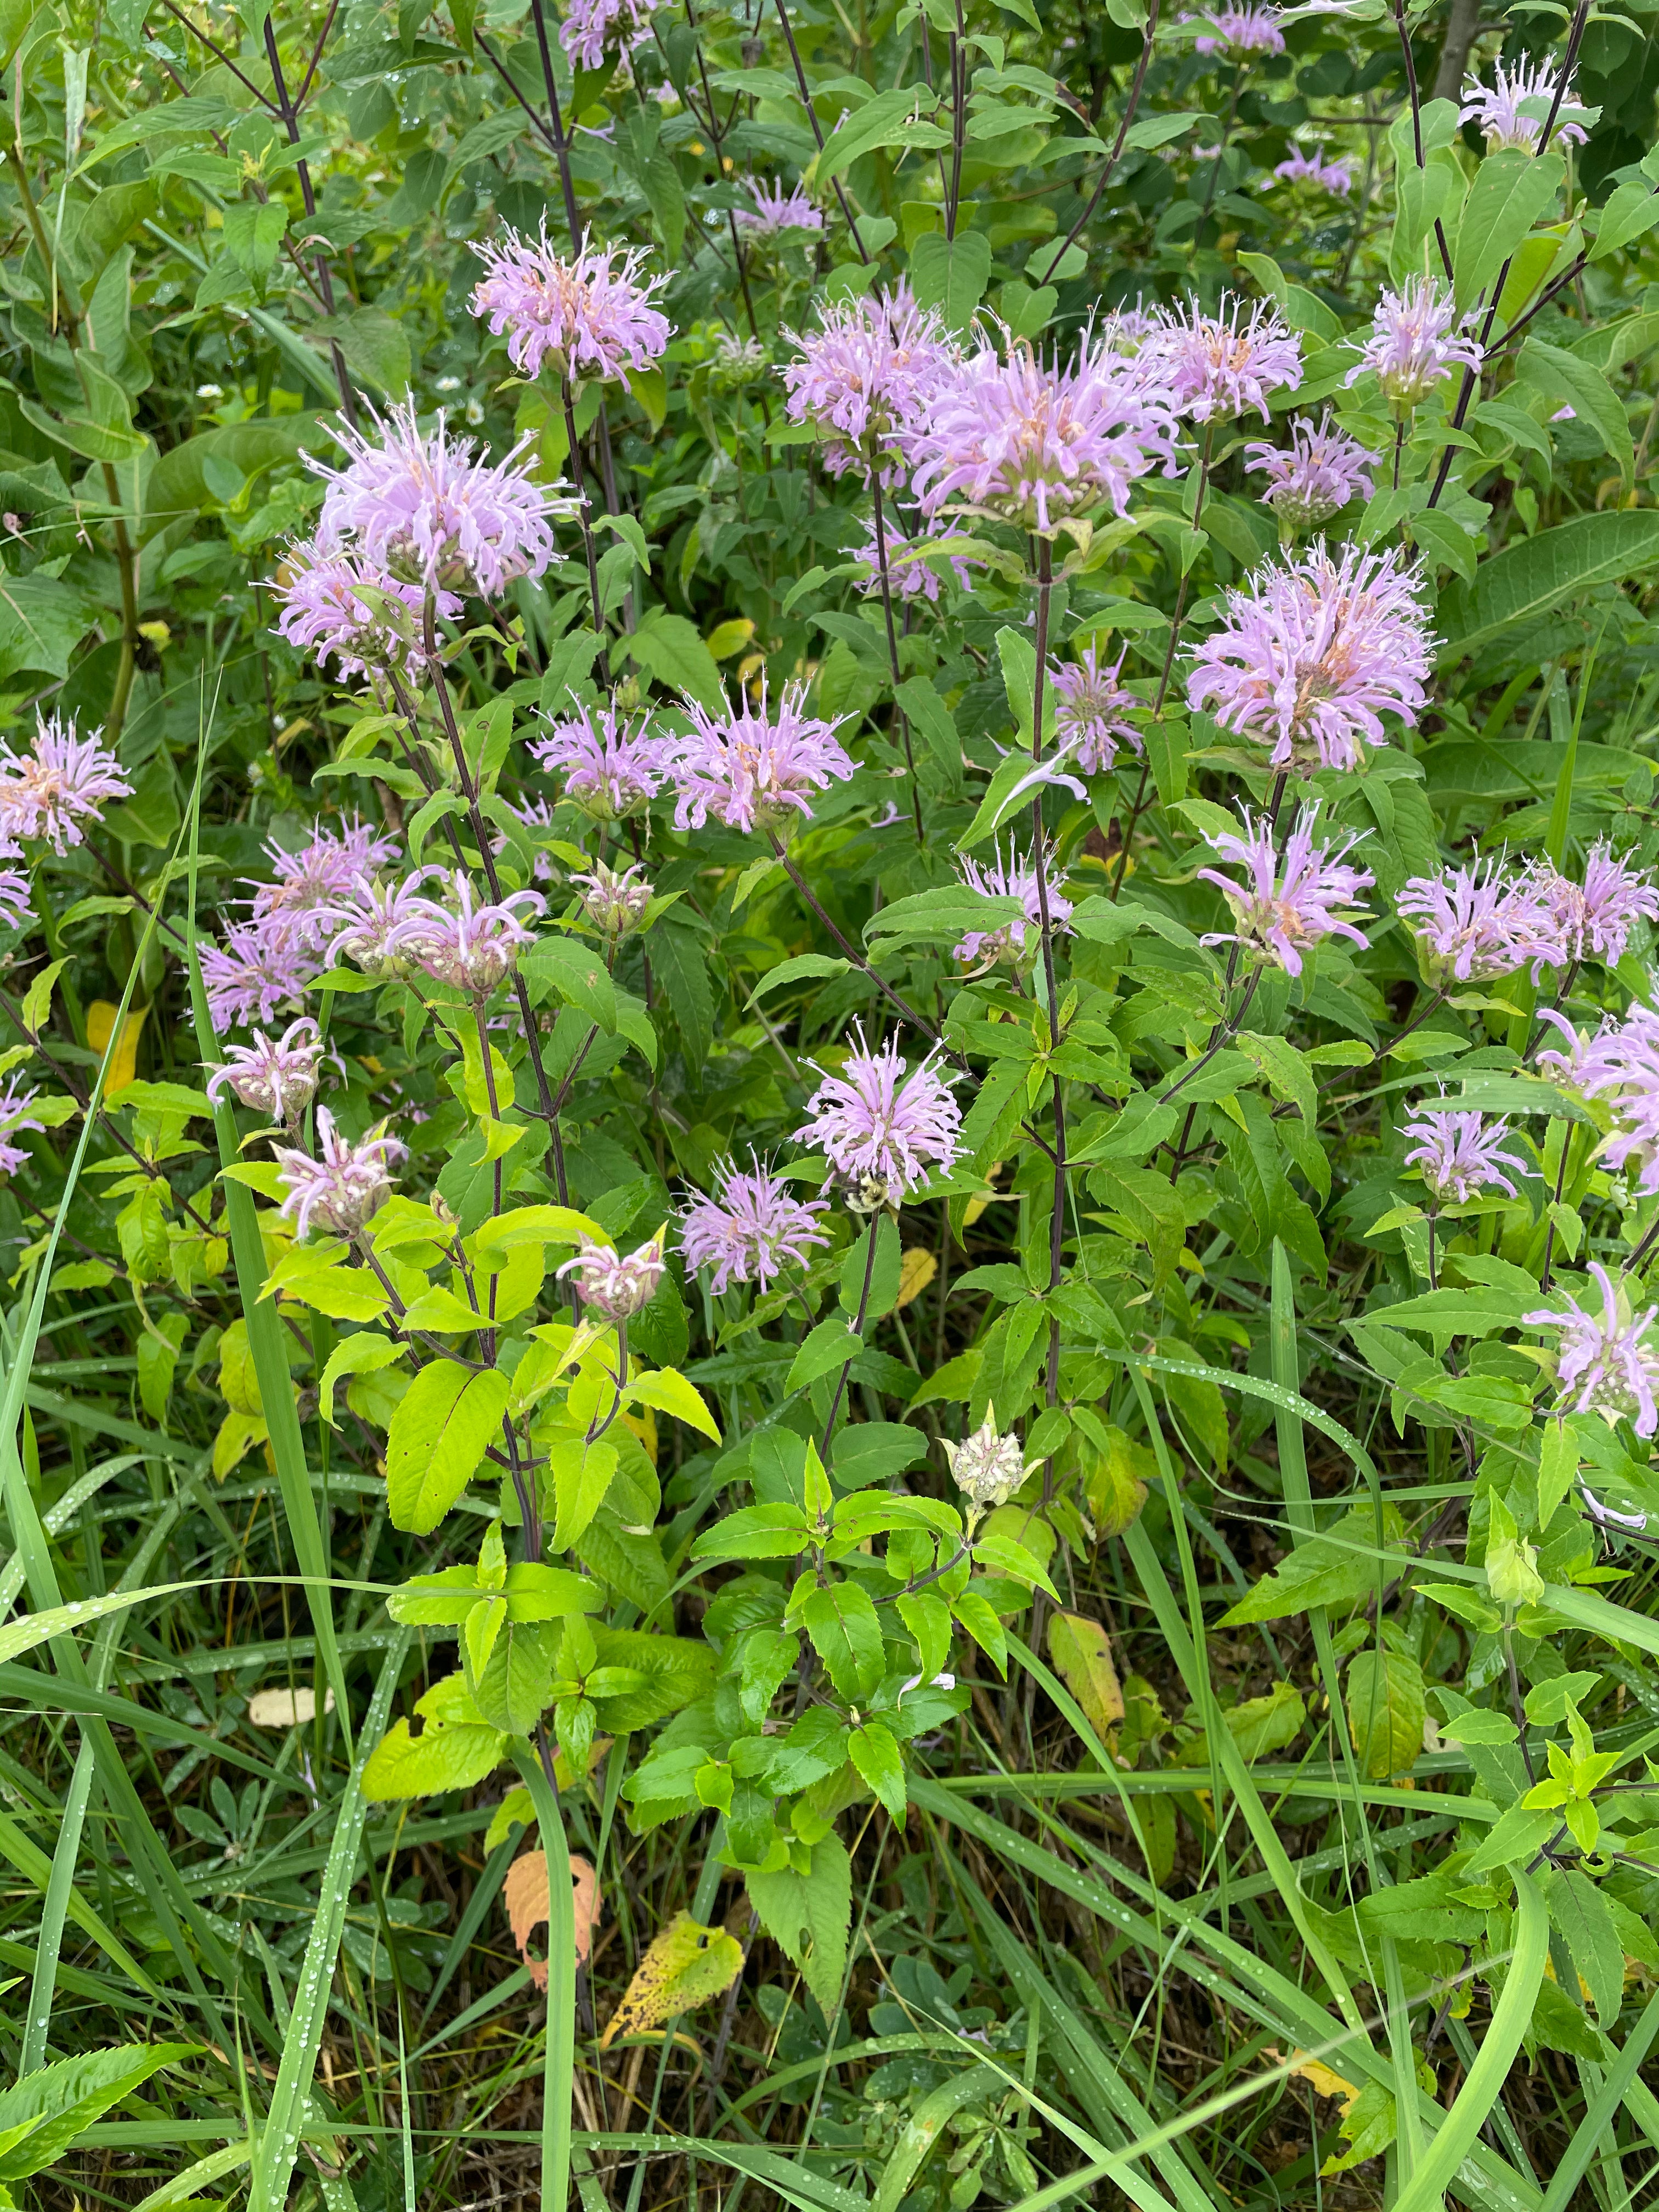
pixel 1610 1362
pixel 778 210
pixel 1479 922
pixel 869 376
pixel 1594 919
pixel 751 1228
pixel 338 606
pixel 1242 30
pixel 273 1075
pixel 1033 442
pixel 343 1190
pixel 1284 906
pixel 1222 365
pixel 1312 654
pixel 310 883
pixel 884 1129
pixel 1417 338
pixel 62 781
pixel 15 1118
pixel 591 26
pixel 1091 709
pixel 420 507
pixel 614 1285
pixel 1016 876
pixel 1514 109
pixel 1460 1154
pixel 1335 177
pixel 589 318
pixel 1619 1064
pixel 1321 470
pixel 752 768
pixel 612 767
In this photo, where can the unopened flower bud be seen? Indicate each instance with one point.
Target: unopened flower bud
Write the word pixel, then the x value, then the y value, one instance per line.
pixel 613 900
pixel 987 1468
pixel 613 1288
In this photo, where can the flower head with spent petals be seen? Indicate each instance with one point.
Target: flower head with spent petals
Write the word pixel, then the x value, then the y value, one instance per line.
pixel 884 1129
pixel 616 901
pixel 1595 918
pixel 612 767
pixel 985 1467
pixel 372 924
pixel 310 883
pixel 1418 337
pixel 423 507
pixel 262 965
pixel 472 948
pixel 868 376
pixel 1312 168
pixel 1514 111
pixel 1284 906
pixel 1092 708
pixel 273 1075
pixel 340 607
pixel 1479 922
pixel 1015 877
pixel 753 770
pixel 778 209
pixel 1033 443
pixel 590 25
pixel 1246 30
pixel 1222 365
pixel 1315 478
pixel 752 1230
pixel 15 1117
pixel 1610 1362
pixel 346 1187
pixel 1313 653
pixel 1619 1064
pixel 613 1288
pixel 63 780
pixel 1460 1154
pixel 589 319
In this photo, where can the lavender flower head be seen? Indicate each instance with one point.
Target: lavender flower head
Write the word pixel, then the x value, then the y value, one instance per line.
pixel 611 768
pixel 1033 443
pixel 612 1287
pixel 472 948
pixel 1620 1065
pixel 752 1230
pixel 1595 918
pixel 273 1075
pixel 590 25
pixel 869 376
pixel 751 771
pixel 884 1130
pixel 1334 176
pixel 1221 366
pixel 1248 30
pixel 1283 907
pixel 591 318
pixel 1323 469
pixel 15 1118
pixel 778 209
pixel 1514 111
pixel 374 923
pixel 615 900
pixel 1418 337
pixel 1609 1363
pixel 1478 923
pixel 63 780
pixel 1313 653
pixel 15 894
pixel 346 1187
pixel 311 882
pixel 1017 876
pixel 262 964
pixel 1460 1155
pixel 338 606
pixel 423 509
pixel 1092 708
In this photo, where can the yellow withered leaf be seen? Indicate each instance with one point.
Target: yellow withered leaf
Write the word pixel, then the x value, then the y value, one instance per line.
pixel 1081 1651
pixel 123 1060
pixel 686 1967
pixel 1321 2080
pixel 527 1898
pixel 917 1268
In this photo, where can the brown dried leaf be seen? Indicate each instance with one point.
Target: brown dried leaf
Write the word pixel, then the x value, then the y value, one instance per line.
pixel 528 1902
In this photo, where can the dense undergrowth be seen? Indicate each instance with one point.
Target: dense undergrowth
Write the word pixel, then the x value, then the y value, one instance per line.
pixel 833 1087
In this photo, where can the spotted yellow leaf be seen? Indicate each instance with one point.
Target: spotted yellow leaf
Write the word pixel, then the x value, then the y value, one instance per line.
pixel 917 1268
pixel 686 1967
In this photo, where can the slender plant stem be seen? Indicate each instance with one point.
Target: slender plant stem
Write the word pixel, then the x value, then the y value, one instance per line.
pixel 587 516
pixel 816 128
pixel 873 1234
pixel 561 142
pixel 1118 144
pixel 892 649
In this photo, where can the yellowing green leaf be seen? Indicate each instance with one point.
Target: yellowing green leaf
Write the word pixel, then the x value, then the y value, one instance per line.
pixel 1082 1652
pixel 685 1965
pixel 439 1434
